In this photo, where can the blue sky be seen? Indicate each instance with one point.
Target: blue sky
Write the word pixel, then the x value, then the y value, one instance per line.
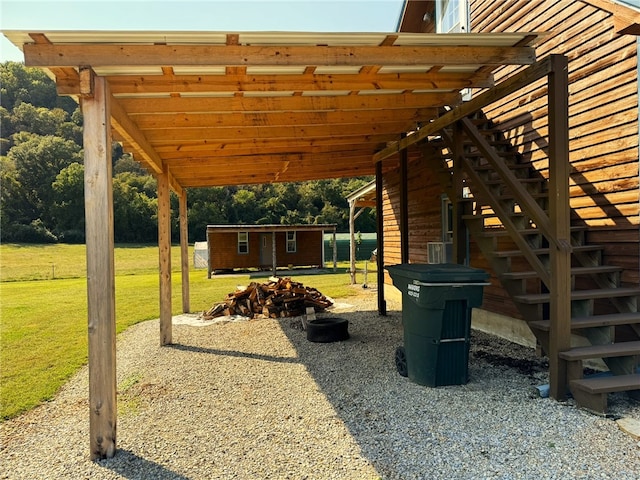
pixel 208 15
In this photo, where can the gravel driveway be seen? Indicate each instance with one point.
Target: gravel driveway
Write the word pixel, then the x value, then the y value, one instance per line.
pixel 256 400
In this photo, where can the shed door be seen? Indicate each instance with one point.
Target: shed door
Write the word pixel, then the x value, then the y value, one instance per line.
pixel 266 249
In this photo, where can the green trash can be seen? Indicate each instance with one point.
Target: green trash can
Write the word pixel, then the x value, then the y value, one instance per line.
pixel 436 314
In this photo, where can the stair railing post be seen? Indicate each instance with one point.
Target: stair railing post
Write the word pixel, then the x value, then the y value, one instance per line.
pixel 559 212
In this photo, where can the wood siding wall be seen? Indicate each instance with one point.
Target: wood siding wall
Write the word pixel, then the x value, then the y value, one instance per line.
pixel 603 114
pixel 424 193
pixel 223 250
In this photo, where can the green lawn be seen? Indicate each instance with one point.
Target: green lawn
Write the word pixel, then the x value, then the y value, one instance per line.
pixel 43 321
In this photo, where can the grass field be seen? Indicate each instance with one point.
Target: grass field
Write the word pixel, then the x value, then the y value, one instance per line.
pixel 43 310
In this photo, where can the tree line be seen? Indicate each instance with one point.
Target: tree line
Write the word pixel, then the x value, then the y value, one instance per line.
pixel 42 179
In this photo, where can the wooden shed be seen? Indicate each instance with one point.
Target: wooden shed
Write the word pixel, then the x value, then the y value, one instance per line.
pixel 265 246
pixel 208 108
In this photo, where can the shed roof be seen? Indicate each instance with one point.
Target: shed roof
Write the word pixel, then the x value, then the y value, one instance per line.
pixel 271 228
pixel 221 108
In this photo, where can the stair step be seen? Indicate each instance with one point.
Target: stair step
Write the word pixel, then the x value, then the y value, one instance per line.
pixel 543 194
pixel 545 251
pixel 521 180
pixel 501 232
pixel 504 153
pixel 621 349
pixel 608 384
pixel 536 298
pixel 600 269
pixel 593 321
pixel 514 166
pixel 591 393
pixel 485 216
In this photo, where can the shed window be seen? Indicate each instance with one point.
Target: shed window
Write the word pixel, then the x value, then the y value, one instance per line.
pixel 291 242
pixel 243 242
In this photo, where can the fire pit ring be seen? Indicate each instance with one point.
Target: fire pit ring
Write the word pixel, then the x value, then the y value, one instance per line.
pixel 325 330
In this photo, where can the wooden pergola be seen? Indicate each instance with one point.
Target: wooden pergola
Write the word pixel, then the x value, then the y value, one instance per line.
pixel 212 108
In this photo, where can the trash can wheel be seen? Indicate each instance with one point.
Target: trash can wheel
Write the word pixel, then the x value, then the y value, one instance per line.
pixel 401 362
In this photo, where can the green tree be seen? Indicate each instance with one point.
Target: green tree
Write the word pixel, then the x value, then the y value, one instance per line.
pixel 30 85
pixel 38 160
pixel 41 120
pixel 207 206
pixel 68 204
pixel 135 215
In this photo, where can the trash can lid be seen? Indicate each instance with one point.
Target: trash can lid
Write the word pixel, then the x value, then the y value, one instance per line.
pixel 437 272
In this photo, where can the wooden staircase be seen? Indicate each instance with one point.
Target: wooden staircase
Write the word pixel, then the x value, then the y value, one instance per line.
pixel 507 214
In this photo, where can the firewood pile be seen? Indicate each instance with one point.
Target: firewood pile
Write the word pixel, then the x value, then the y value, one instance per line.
pixel 279 297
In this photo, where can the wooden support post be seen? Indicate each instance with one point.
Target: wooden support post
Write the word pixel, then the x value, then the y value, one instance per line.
pixel 352 241
pixel 273 253
pixel 184 251
pixel 404 207
pixel 335 252
pixel 382 304
pixel 98 192
pixel 559 213
pixel 459 227
pixel 164 243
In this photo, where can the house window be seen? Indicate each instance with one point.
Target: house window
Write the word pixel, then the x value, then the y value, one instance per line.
pixel 452 16
pixel 291 242
pixel 243 242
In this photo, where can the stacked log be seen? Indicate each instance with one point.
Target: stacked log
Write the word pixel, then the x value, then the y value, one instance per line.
pixel 277 298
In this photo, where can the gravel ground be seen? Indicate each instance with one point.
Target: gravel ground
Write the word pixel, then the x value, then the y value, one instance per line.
pixel 256 400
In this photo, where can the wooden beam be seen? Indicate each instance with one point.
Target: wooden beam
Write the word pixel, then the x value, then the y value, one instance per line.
pixel 164 244
pixel 43 55
pixel 299 118
pixel 208 153
pixel 86 80
pixel 184 251
pixel 129 131
pixel 559 212
pixel 287 104
pixel 293 132
pixel 261 162
pixel 130 84
pixel 512 84
pixel 100 272
pixel 224 145
pixel 626 20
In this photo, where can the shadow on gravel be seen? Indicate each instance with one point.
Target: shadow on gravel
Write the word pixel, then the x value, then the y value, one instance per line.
pixel 232 353
pixel 129 465
pixel 383 411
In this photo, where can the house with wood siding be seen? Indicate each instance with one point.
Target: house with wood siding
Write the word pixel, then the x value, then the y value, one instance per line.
pixel 486 187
